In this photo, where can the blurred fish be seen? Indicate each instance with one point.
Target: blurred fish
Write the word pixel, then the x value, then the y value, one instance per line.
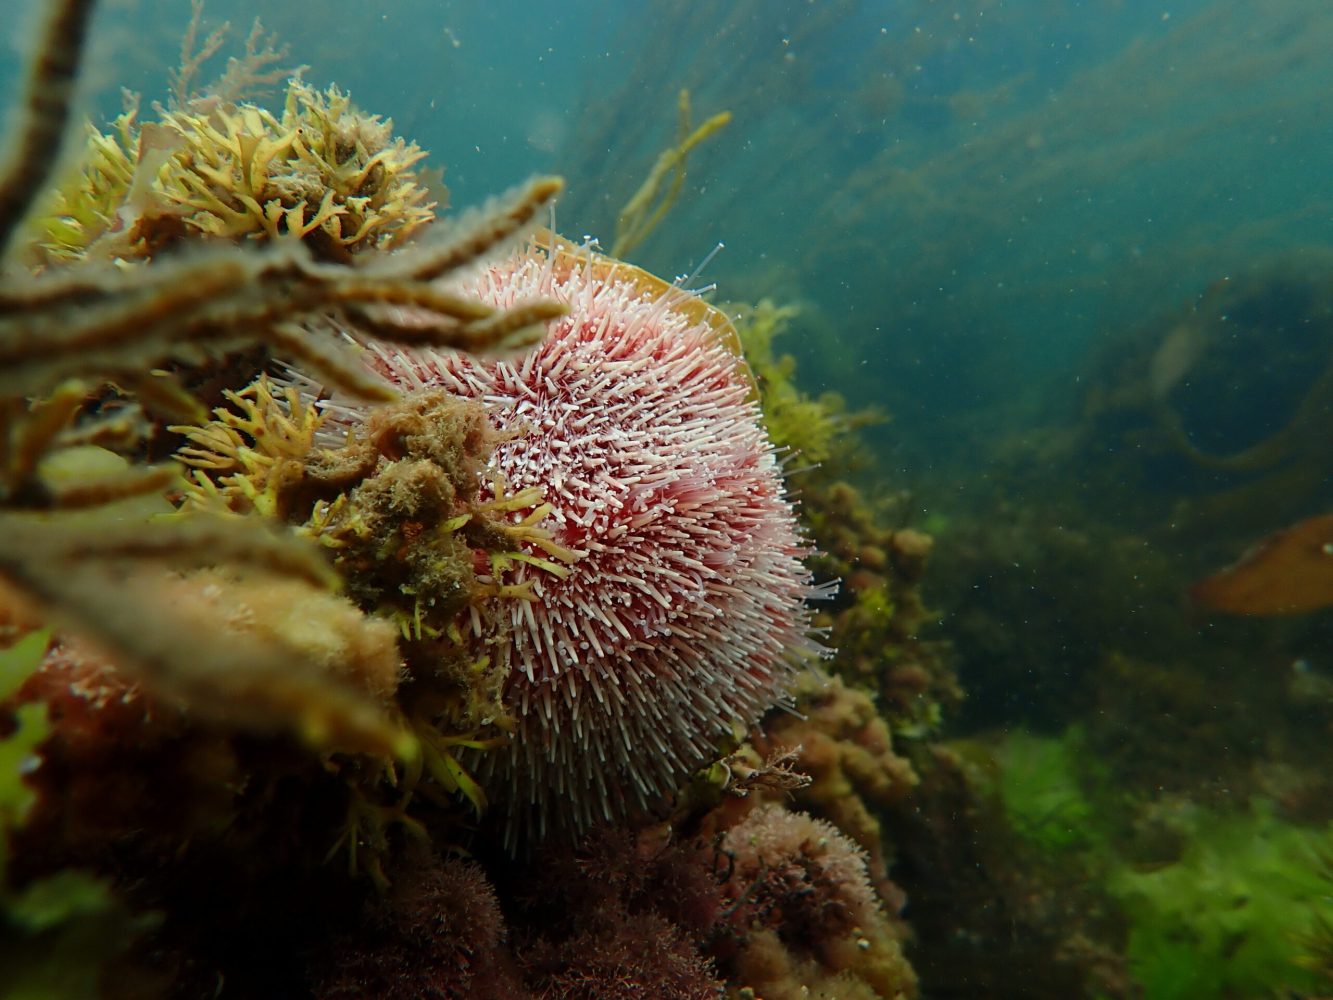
pixel 1286 573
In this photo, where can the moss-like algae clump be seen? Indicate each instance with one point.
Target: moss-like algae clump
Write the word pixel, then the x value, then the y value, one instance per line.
pixel 1039 783
pixel 321 171
pixel 1222 905
pixel 1232 916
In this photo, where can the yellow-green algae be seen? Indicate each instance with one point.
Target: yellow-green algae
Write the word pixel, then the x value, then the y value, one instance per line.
pixel 322 171
pixel 1229 903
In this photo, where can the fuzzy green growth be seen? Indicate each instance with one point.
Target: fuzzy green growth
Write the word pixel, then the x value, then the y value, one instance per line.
pixel 1229 917
pixel 18 750
pixel 1040 786
pixel 1238 911
pixel 809 426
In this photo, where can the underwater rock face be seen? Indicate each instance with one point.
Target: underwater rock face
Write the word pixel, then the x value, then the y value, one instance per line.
pixel 680 614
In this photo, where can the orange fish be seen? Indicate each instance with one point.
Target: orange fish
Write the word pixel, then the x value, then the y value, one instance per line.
pixel 1286 573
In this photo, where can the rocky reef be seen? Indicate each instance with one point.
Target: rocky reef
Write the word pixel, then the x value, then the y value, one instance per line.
pixel 304 657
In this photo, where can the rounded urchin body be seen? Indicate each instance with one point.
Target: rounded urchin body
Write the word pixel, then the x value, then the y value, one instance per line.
pixel 680 617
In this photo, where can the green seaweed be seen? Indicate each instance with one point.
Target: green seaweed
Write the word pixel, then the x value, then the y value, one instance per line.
pixel 18 750
pixel 59 935
pixel 812 427
pixel 1227 919
pixel 1229 914
pixel 1039 784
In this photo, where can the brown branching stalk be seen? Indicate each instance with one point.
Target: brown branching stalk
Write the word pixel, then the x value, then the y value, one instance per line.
pixel 776 772
pixel 105 322
pixel 185 636
pixel 36 140
pixel 191 58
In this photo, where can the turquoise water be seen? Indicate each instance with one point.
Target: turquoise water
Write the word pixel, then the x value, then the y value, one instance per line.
pixel 969 195
pixel 1079 252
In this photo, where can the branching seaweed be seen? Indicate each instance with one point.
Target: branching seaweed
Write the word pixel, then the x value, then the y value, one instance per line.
pixel 650 204
pixel 245 75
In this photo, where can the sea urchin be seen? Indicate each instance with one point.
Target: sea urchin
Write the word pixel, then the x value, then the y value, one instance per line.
pixel 682 615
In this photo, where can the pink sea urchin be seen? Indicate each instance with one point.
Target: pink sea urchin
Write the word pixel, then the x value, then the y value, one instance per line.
pixel 682 615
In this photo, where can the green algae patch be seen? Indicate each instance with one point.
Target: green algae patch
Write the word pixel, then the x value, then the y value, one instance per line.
pixel 1229 918
pixel 1216 905
pixel 1040 784
pixel 26 729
